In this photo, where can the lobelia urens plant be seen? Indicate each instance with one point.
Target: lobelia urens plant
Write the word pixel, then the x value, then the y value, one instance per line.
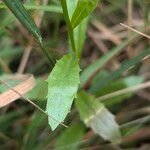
pixel 65 78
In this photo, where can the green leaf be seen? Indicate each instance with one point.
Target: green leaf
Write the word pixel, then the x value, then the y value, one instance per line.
pixel 124 67
pixel 69 139
pixel 62 88
pixel 97 117
pixel 52 8
pixel 71 5
pixel 22 15
pixel 83 9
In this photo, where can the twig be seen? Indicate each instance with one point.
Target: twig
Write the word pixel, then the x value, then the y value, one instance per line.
pixel 24 59
pixel 143 34
pixel 110 35
pixel 130 51
pixel 124 91
pixel 137 121
pixel 23 97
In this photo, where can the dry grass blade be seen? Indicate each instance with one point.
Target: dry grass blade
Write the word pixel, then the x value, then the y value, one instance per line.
pixel 15 92
pixel 24 59
pixel 107 32
pixel 10 96
pixel 143 34
pixel 124 91
pixel 130 51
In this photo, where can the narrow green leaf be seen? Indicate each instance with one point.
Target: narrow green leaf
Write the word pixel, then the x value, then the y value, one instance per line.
pixel 62 88
pixel 69 139
pixel 124 67
pixel 97 117
pixel 90 70
pixel 83 9
pixel 52 8
pixel 22 15
pixel 114 85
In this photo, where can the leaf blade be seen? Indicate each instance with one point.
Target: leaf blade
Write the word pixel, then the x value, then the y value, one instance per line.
pixel 96 116
pixel 90 70
pixel 124 67
pixel 17 8
pixel 62 88
pixel 83 9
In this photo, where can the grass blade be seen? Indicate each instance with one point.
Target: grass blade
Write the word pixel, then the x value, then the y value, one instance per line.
pixel 88 72
pixel 22 15
pixel 53 8
pixel 124 67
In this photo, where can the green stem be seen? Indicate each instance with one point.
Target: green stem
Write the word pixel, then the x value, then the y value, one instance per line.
pixel 47 54
pixel 70 29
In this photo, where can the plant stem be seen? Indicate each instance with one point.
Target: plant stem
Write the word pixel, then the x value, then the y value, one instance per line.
pixel 70 29
pixel 47 54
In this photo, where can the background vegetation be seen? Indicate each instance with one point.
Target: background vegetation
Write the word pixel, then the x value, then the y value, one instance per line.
pixel 115 70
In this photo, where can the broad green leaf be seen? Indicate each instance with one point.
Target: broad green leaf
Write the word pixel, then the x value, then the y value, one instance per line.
pixel 22 15
pixel 97 117
pixel 83 9
pixel 90 70
pixel 62 88
pixel 70 138
pixel 124 67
